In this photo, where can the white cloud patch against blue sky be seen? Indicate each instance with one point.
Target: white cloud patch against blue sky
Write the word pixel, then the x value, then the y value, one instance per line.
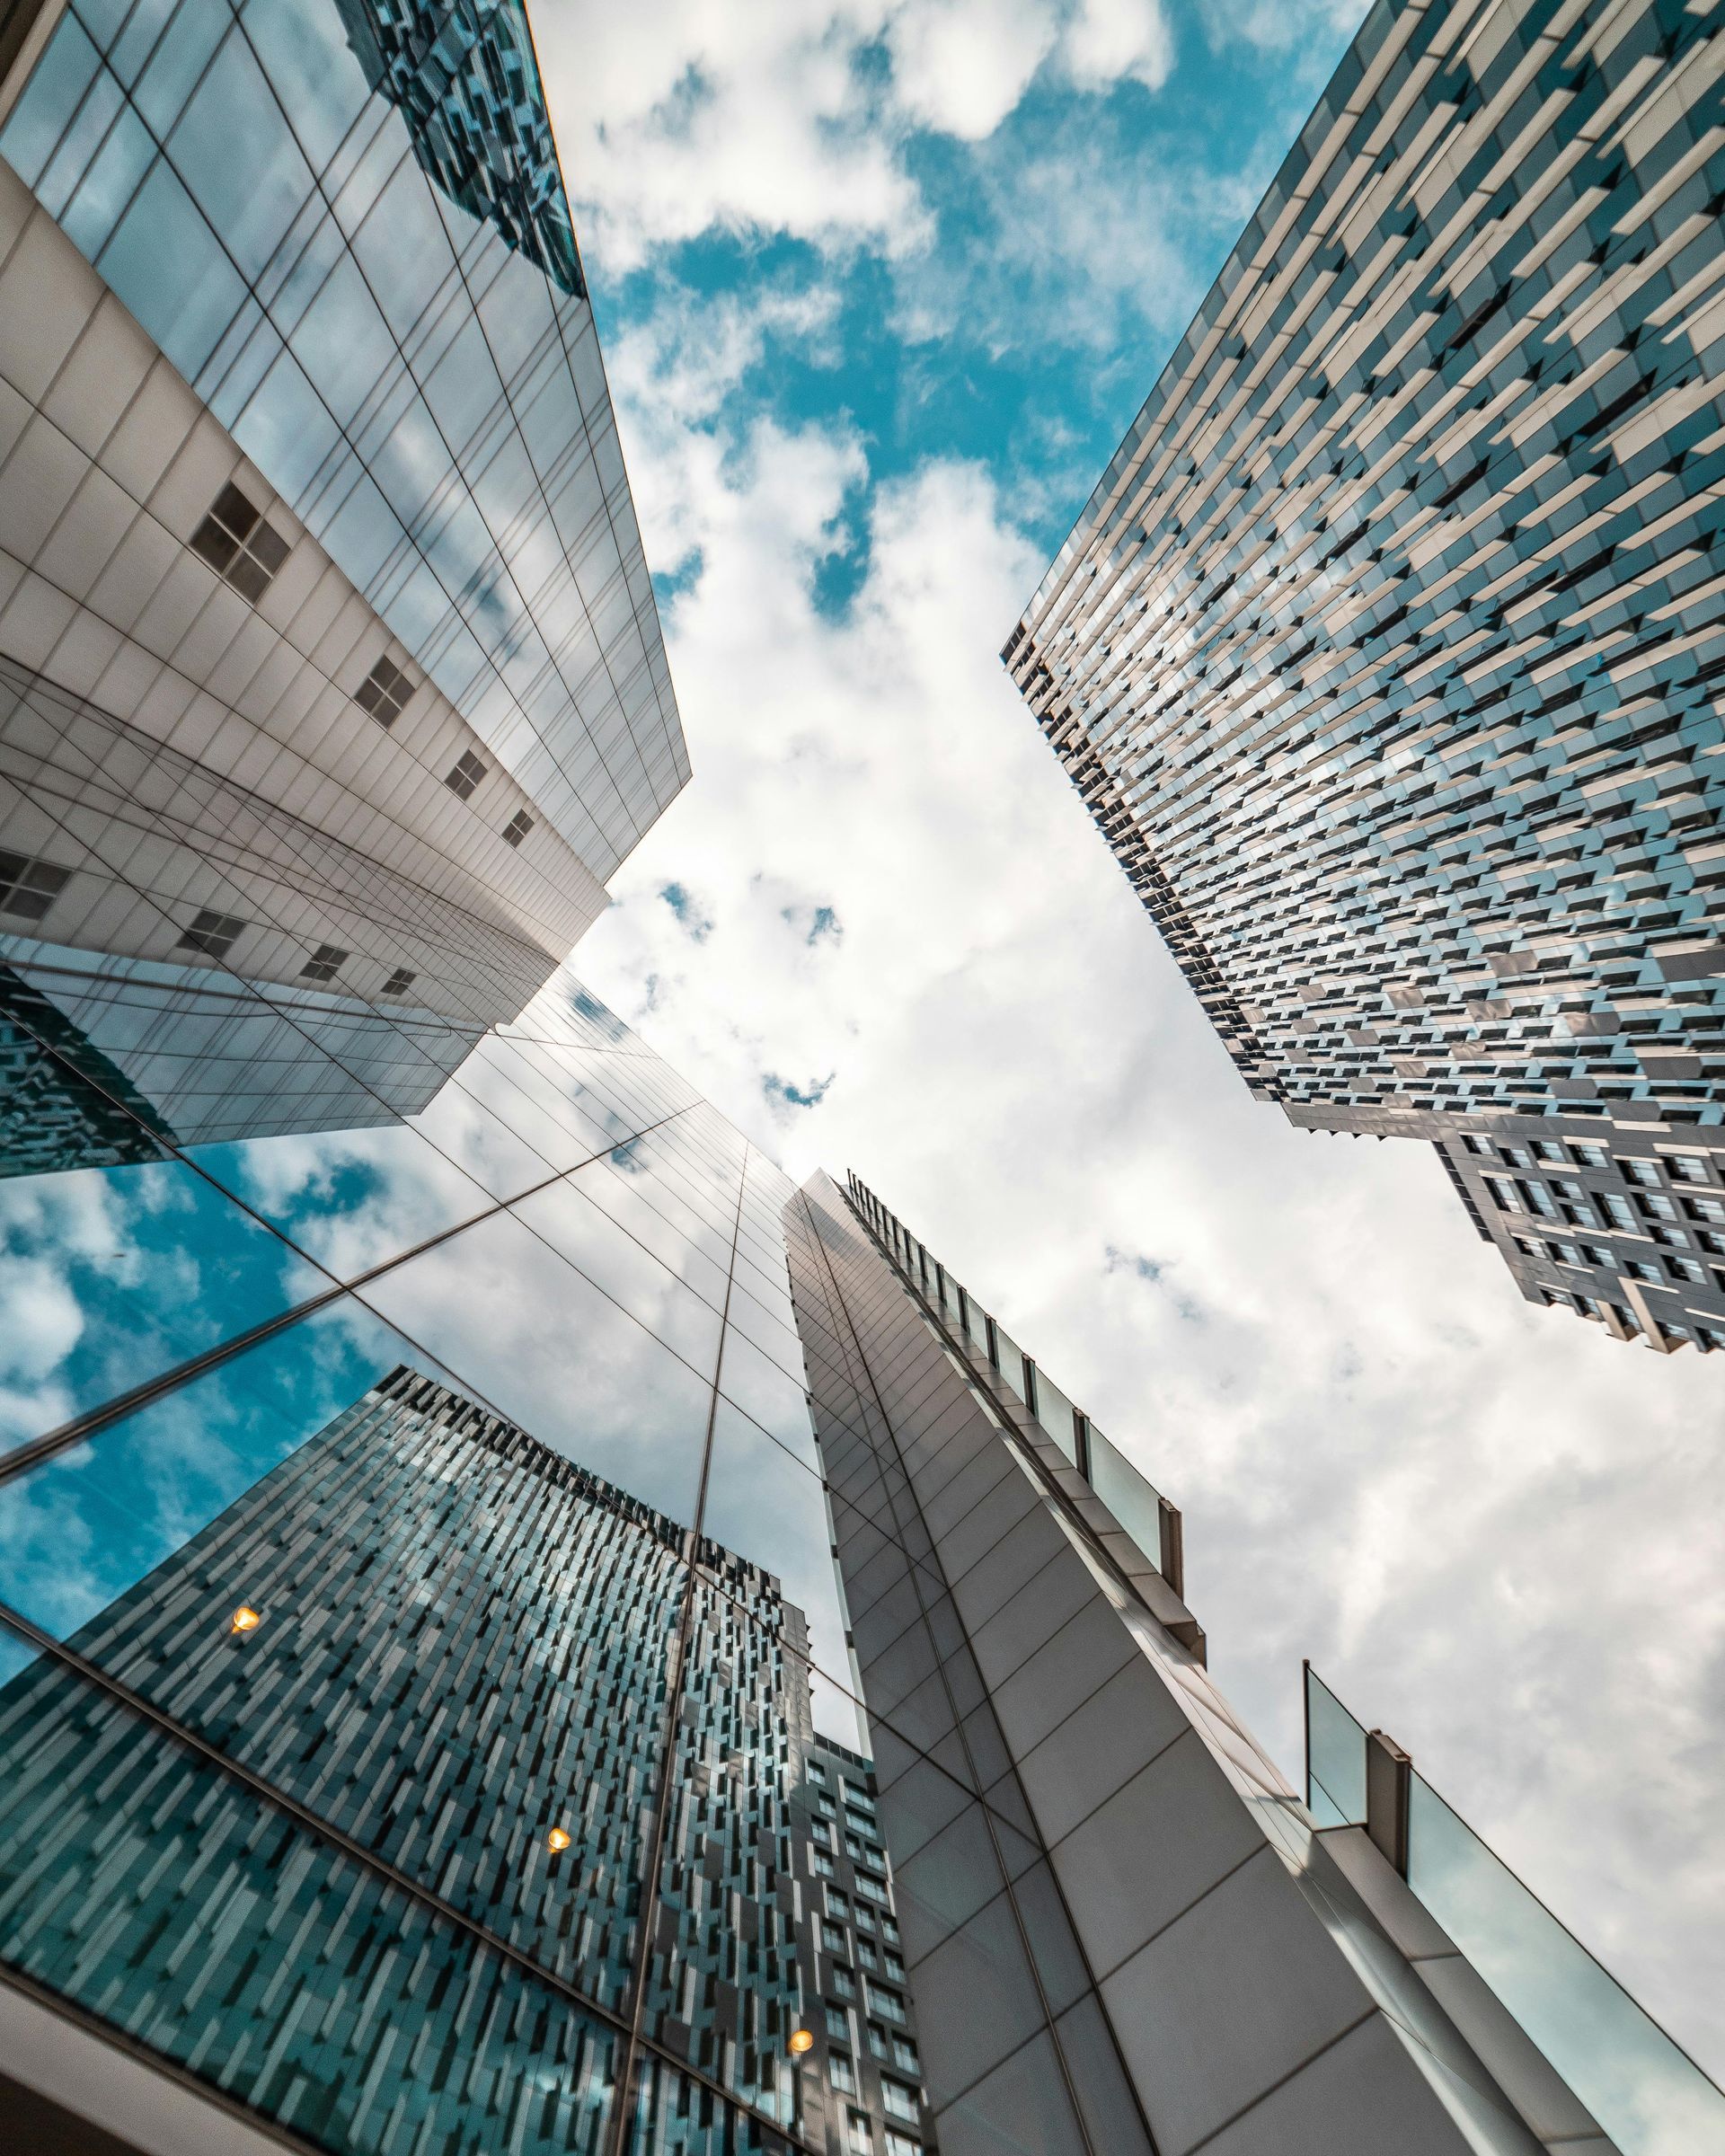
pixel 880 286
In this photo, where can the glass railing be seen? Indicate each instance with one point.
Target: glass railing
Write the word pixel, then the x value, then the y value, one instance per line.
pixel 1335 1758
pixel 1644 2091
pixel 1134 1501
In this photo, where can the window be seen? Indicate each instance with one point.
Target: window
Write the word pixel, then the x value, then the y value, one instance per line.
pixel 874 1890
pixel 383 692
pixel 1566 1253
pixel 843 2073
pixel 324 963
pixel 1517 1156
pixel 399 982
pixel 889 1930
pixel 821 1834
pixel 1686 1269
pixel 468 771
pixel 896 1968
pixel 1590 1156
pixel 898 2144
pixel 866 1955
pixel 1503 1195
pixel 1706 1208
pixel 1685 1167
pixel 212 933
pixel 844 1982
pixel 1643 1173
pixel 28 887
pixel 862 2136
pixel 1644 1269
pixel 517 828
pixel 1616 1209
pixel 838 1902
pixel 239 546
pixel 877 2040
pixel 1657 1205
pixel 833 1936
pixel 1541 1199
pixel 900 2102
pixel 1547 1149
pixel 824 1869
pixel 904 2055
pixel 816 1772
pixel 884 2002
pixel 1472 1144
pixel 1594 1255
pixel 838 2022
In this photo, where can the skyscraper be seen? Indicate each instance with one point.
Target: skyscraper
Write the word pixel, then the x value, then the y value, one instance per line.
pixel 1122 1930
pixel 331 684
pixel 1385 653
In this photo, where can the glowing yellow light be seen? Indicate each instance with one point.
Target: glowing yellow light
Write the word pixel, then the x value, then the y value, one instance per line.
pixel 556 1839
pixel 246 1619
pixel 801 2040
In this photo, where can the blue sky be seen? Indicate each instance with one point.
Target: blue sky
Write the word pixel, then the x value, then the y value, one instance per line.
pixel 1016 312
pixel 879 284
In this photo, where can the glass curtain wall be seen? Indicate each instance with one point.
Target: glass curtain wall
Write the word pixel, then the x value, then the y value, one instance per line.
pixel 577 1254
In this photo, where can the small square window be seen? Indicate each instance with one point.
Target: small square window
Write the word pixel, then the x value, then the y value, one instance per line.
pixel 28 887
pixel 900 2102
pixel 212 933
pixel 399 982
pixel 239 546
pixel 1643 1173
pixel 844 2072
pixel 517 828
pixel 1686 1167
pixel 324 963
pixel 468 771
pixel 383 692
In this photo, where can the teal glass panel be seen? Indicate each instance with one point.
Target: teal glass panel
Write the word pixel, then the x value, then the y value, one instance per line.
pixel 1335 1758
pixel 1128 1496
pixel 1650 2097
pixel 1054 1412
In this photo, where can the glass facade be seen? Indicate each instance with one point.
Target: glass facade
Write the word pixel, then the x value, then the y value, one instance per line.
pixel 327 1681
pixel 1385 652
pixel 344 226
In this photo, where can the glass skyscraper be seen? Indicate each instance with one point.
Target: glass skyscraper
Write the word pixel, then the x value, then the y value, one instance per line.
pixel 1386 652
pixel 520 1628
pixel 332 684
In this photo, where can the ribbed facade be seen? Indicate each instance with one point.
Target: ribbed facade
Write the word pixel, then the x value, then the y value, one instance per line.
pixel 1387 653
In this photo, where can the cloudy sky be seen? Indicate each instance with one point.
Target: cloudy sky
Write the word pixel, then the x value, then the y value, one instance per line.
pixel 880 283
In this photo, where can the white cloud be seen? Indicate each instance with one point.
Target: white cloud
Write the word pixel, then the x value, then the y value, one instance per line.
pixel 1118 41
pixel 960 66
pixel 1453 1501
pixel 784 119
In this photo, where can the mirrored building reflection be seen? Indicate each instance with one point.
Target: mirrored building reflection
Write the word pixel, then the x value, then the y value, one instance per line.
pixel 332 684
pixel 1386 652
